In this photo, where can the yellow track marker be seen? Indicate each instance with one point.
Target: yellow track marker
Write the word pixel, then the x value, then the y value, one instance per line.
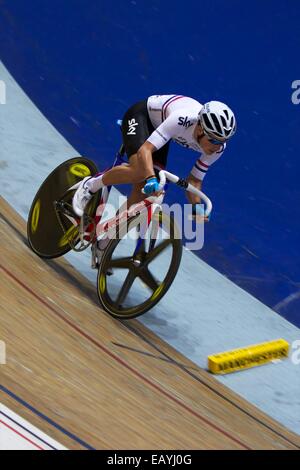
pixel 250 356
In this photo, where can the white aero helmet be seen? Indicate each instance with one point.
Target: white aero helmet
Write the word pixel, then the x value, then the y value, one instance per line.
pixel 217 120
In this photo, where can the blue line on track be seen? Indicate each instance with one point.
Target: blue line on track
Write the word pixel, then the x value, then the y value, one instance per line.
pixel 45 418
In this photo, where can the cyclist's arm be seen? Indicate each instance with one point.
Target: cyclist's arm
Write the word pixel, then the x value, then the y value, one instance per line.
pixel 203 164
pixel 195 200
pixel 198 173
pixel 192 198
pixel 145 159
pixel 155 141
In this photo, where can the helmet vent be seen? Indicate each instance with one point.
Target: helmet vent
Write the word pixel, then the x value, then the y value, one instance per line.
pixel 216 123
pixel 223 121
pixel 206 121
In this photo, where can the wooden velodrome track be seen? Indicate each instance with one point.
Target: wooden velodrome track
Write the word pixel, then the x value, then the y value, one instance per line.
pixel 92 382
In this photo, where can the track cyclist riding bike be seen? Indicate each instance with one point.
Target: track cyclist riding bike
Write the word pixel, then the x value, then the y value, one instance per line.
pixel 140 245
pixel 147 128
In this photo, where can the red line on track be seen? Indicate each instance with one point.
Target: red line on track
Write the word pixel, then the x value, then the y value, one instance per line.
pixel 124 363
pixel 21 435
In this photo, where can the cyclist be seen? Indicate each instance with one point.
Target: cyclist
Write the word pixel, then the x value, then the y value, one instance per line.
pixel 147 128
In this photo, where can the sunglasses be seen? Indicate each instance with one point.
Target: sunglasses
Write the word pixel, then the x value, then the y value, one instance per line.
pixel 210 139
pixel 216 142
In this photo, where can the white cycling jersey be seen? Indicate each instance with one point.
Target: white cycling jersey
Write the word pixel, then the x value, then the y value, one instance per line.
pixel 175 117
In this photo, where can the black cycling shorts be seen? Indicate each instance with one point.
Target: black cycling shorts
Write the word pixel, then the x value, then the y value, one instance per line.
pixel 136 128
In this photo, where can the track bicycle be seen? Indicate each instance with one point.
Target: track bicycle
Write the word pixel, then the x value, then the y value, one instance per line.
pixel 143 244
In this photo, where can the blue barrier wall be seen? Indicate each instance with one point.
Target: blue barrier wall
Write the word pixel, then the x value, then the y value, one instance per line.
pixel 83 62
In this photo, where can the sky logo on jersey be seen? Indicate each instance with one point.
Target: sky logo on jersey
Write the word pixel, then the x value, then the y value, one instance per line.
pixel 184 121
pixel 132 127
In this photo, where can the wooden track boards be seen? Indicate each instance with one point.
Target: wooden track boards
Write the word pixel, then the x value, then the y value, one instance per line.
pixel 92 382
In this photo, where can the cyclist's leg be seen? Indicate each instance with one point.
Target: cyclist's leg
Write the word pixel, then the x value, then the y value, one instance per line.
pixel 138 114
pixel 136 128
pixel 159 163
pixel 160 158
pixel 121 174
